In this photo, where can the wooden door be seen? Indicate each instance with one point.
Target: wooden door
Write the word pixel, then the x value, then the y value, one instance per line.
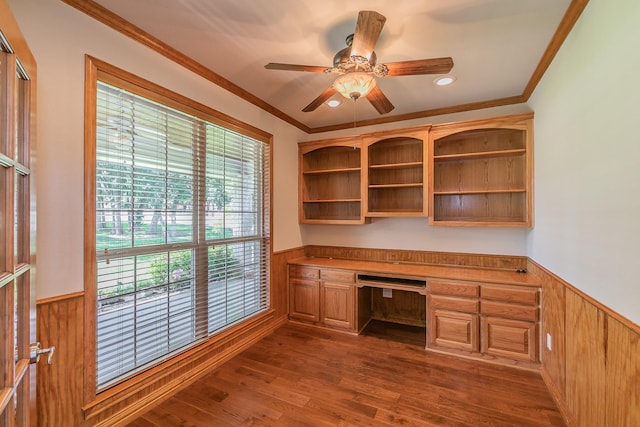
pixel 17 295
pixel 515 339
pixel 304 302
pixel 337 303
pixel 454 330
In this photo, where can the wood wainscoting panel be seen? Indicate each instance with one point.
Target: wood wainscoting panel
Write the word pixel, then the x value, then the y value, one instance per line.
pixel 585 366
pixel 553 323
pixel 622 396
pixel 59 385
pixel 506 262
pixel 593 368
pixel 279 274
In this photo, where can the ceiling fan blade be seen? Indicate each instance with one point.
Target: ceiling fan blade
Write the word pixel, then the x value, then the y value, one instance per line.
pixel 420 66
pixel 379 101
pixel 328 93
pixel 368 30
pixel 293 67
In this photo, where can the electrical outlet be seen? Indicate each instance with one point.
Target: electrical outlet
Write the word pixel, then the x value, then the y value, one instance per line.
pixel 548 341
pixel 387 293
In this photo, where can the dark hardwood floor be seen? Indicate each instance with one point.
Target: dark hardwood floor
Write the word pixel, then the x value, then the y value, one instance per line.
pixel 305 376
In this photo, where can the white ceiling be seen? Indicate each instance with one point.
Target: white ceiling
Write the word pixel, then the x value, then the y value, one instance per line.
pixel 495 44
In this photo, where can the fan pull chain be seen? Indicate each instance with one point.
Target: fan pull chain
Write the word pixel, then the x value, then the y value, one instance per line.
pixel 355 132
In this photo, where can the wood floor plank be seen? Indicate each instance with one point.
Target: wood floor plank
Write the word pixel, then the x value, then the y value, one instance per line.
pixel 308 376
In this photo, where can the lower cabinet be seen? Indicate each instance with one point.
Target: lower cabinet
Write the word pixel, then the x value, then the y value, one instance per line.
pixel 454 330
pixel 453 315
pixel 493 321
pixel 509 324
pixel 483 318
pixel 316 296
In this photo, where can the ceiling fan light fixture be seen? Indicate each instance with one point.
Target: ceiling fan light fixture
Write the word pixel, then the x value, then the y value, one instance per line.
pixel 444 80
pixel 354 85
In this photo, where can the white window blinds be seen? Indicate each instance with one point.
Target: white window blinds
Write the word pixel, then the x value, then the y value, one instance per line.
pixel 182 230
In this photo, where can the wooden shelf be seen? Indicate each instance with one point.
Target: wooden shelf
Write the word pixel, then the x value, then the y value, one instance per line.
pixel 480 155
pixel 331 201
pixel 339 219
pixel 454 192
pixel 417 184
pixel 328 171
pixel 397 165
pixel 479 222
pixel 395 213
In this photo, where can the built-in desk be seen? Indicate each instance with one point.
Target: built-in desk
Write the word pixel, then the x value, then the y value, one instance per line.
pixel 483 313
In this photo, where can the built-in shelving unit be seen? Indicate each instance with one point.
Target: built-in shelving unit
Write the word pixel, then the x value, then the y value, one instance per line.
pixel 396 173
pixel 481 172
pixel 473 173
pixel 330 182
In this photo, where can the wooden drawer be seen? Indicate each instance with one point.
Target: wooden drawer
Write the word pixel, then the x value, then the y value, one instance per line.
pixel 304 272
pixel 453 288
pixel 455 304
pixel 343 276
pixel 509 311
pixel 520 295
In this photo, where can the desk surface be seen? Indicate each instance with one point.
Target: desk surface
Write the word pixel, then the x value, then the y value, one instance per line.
pixel 427 271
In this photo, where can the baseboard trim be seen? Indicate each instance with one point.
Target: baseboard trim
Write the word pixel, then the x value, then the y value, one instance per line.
pixel 558 398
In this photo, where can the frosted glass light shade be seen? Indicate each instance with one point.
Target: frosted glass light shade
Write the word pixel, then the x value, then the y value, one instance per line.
pixel 354 85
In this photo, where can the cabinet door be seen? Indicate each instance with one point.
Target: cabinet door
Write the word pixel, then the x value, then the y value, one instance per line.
pixel 338 309
pixel 454 330
pixel 304 301
pixel 514 339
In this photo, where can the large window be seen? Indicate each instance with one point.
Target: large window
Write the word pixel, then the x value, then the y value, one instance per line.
pixel 181 228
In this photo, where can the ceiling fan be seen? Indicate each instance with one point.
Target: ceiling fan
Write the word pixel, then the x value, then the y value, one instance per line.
pixel 358 68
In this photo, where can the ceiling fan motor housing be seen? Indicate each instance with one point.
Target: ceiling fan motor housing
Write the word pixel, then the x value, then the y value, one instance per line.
pixel 344 56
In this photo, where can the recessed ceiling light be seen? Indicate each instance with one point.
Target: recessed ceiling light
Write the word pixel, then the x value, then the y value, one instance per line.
pixel 333 103
pixel 444 80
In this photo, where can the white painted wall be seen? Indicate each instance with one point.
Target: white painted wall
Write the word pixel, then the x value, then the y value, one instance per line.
pixel 59 37
pixel 416 234
pixel 587 159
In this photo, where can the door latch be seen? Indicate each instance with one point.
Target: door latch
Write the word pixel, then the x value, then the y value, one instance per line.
pixel 35 350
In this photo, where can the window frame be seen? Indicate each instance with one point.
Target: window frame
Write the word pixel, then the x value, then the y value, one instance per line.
pixel 98 70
